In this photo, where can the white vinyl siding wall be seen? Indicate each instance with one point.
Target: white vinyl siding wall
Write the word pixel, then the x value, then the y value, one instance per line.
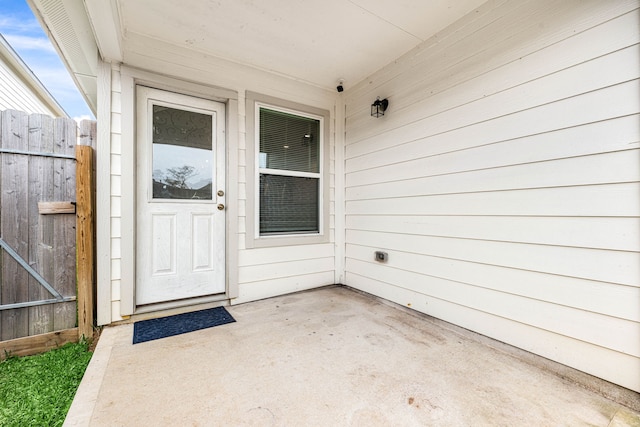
pixel 260 273
pixel 268 271
pixel 15 94
pixel 503 181
pixel 116 194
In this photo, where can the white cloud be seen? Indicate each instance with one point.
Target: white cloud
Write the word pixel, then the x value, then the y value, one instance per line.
pixel 19 42
pixel 18 24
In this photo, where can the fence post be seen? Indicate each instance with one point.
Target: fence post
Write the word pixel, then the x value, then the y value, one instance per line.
pixel 84 239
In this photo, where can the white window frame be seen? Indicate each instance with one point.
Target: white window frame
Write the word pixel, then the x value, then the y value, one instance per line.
pixel 253 238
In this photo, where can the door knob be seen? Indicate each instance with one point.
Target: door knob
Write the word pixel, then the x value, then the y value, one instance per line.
pixel 220 207
pixel 220 193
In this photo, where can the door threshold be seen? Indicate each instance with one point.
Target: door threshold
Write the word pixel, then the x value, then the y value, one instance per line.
pixel 150 311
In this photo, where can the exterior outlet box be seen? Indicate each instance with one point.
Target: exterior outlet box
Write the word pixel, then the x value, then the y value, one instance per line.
pixel 382 256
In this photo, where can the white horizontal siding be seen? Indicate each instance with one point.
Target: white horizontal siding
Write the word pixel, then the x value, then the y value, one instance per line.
pixel 595 200
pixel 569 321
pixel 617 301
pixel 278 270
pixel 458 132
pixel 283 253
pixel 261 273
pixel 416 178
pixel 620 234
pixel 16 95
pixel 620 367
pixel 115 164
pixel 504 181
pixel 283 285
pixel 265 272
pixel 289 268
pixel 617 134
pixel 521 57
pixel 619 267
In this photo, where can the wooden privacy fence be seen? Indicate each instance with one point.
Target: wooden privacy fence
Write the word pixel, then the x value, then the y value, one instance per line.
pixel 46 206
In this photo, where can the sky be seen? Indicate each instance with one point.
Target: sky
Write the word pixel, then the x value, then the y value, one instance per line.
pixel 23 32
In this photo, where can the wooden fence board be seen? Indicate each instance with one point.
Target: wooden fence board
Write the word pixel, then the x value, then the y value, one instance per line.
pixel 40 252
pixel 87 277
pixel 64 187
pixel 30 177
pixel 54 208
pixel 84 239
pixel 15 226
pixel 27 346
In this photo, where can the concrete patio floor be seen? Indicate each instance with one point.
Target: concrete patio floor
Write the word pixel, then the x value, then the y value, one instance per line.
pixel 329 357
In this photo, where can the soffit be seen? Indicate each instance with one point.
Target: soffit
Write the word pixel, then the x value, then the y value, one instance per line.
pixel 69 29
pixel 317 41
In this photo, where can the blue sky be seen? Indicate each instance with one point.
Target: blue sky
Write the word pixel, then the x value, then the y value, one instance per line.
pixel 23 32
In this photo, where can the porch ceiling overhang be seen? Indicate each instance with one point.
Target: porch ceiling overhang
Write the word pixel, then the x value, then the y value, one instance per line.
pixel 318 42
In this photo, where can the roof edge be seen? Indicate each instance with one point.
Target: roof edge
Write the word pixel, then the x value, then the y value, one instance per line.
pixel 26 74
pixel 67 25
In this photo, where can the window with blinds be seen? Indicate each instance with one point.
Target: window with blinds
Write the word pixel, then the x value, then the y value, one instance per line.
pixel 289 166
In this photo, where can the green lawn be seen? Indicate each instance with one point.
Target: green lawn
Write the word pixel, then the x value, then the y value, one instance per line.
pixel 38 390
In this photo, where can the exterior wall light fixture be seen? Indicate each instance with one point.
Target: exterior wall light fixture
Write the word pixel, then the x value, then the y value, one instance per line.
pixel 378 107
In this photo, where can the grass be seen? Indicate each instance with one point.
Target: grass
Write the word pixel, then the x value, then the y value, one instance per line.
pixel 38 390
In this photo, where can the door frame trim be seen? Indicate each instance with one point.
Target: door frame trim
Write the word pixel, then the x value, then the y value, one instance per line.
pixel 129 79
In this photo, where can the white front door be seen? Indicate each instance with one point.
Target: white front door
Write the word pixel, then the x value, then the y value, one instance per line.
pixel 180 243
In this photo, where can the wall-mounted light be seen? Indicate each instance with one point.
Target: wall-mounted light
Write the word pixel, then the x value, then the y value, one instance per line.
pixel 378 107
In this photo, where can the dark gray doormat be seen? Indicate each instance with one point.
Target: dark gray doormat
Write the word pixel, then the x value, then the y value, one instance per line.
pixel 147 330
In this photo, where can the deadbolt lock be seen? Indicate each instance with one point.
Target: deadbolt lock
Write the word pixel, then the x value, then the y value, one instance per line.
pixel 220 193
pixel 220 207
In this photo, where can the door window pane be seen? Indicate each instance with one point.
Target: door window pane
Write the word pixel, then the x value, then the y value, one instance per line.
pixel 288 204
pixel 182 154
